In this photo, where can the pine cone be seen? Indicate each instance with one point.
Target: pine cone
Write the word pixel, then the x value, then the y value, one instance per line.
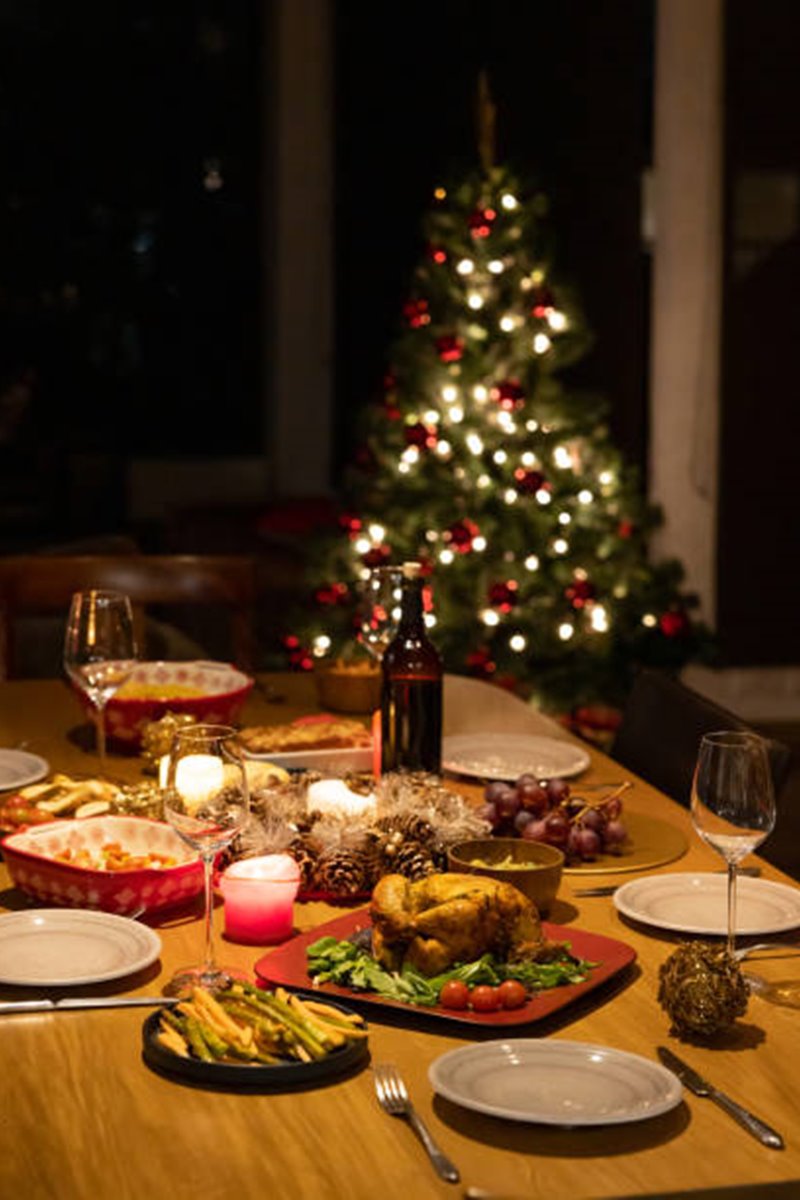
pixel 410 825
pixel 305 853
pixel 372 851
pixel 413 860
pixel 340 872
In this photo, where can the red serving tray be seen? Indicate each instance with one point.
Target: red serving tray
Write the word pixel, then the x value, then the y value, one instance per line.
pixel 286 967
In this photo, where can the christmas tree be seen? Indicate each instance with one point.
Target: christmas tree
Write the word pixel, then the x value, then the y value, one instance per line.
pixel 505 483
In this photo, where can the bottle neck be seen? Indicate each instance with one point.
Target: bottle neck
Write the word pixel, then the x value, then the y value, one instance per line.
pixel 412 613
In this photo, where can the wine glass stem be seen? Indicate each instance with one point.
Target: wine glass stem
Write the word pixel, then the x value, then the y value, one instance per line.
pixel 101 736
pixel 208 957
pixel 731 907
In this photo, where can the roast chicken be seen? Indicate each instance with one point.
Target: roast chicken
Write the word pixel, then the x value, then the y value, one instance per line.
pixel 451 918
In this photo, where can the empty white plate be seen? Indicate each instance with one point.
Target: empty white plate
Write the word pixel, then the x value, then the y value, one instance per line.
pixel 509 755
pixel 697 903
pixel 18 768
pixel 555 1082
pixel 59 947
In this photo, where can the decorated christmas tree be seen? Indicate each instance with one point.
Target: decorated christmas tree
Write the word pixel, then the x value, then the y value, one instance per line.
pixel 480 462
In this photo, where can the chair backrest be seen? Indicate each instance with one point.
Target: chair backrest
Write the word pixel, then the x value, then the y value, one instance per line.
pixel 37 585
pixel 659 735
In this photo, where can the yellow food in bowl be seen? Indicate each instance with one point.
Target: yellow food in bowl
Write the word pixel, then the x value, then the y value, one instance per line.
pixel 157 691
pixel 506 864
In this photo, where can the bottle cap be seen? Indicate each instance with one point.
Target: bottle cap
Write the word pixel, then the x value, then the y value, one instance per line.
pixel 412 570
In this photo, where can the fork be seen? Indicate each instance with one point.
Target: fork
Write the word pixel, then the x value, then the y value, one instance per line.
pixel 394 1099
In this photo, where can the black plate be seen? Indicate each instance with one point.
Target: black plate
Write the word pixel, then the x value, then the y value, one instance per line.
pixel 262 1077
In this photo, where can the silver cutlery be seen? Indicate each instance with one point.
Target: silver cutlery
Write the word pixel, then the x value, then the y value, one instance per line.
pixel 72 1003
pixel 394 1099
pixel 759 1129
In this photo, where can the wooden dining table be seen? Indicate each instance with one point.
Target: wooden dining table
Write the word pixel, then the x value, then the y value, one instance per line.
pixel 82 1117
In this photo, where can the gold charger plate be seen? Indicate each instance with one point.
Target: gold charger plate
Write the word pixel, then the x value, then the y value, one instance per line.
pixel 651 843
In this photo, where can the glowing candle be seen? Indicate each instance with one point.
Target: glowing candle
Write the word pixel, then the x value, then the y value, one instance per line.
pixel 259 895
pixel 197 778
pixel 333 797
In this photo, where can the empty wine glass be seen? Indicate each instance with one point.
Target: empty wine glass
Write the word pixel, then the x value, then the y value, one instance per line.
pixel 99 650
pixel 206 800
pixel 733 802
pixel 379 608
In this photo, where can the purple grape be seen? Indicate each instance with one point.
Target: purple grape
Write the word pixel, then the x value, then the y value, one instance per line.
pixel 535 830
pixel 614 833
pixel 583 843
pixel 557 790
pixel 594 819
pixel 557 829
pixel 488 812
pixel 507 804
pixel 533 796
pixel 612 808
pixel 522 820
pixel 493 790
pixel 526 780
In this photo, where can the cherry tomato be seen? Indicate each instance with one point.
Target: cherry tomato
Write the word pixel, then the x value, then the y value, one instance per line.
pixel 512 993
pixel 484 998
pixel 454 994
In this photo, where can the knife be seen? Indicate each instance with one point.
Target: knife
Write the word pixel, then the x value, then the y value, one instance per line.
pixel 77 1002
pixel 687 1075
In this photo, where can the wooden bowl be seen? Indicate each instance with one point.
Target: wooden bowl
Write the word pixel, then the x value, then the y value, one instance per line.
pixel 536 871
pixel 348 687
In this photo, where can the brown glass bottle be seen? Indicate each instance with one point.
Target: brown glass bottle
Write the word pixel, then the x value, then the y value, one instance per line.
pixel 411 693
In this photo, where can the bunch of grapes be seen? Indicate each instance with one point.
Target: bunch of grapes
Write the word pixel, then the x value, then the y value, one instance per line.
pixel 548 812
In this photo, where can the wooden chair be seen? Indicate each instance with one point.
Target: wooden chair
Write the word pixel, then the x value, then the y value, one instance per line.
pixel 42 585
pixel 659 735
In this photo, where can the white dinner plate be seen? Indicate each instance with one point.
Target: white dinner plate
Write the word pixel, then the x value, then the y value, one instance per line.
pixel 555 1082
pixel 60 947
pixel 18 768
pixel 509 755
pixel 697 903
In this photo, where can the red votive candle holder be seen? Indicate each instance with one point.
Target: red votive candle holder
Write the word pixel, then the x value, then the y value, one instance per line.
pixel 259 898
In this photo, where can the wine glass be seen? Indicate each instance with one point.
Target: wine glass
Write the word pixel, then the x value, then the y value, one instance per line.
pixel 379 608
pixel 99 650
pixel 733 802
pixel 206 800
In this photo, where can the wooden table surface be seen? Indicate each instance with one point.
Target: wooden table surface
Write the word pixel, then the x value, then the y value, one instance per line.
pixel 83 1117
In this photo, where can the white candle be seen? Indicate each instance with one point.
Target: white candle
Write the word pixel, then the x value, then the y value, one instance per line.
pixel 197 777
pixel 333 797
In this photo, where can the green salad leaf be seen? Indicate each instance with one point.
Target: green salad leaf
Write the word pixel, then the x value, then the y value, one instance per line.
pixel 332 961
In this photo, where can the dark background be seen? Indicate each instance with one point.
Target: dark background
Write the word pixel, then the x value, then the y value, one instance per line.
pixel 136 202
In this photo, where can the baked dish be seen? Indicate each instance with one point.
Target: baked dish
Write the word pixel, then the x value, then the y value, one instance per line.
pixel 327 734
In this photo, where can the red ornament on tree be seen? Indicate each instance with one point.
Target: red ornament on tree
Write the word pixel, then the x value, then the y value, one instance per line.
pixel 674 624
pixel 438 255
pixel 450 348
pixel 416 313
pixel 481 221
pixel 350 523
pixel 509 394
pixel 543 302
pixel 480 664
pixel 503 596
pixel 298 656
pixel 423 436
pixel 334 593
pixel 580 592
pixel 529 482
pixel 378 556
pixel 461 535
pixel 625 528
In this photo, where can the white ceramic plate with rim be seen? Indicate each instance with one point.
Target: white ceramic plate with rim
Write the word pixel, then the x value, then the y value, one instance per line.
pixel 334 760
pixel 555 1082
pixel 18 768
pixel 509 755
pixel 698 903
pixel 62 947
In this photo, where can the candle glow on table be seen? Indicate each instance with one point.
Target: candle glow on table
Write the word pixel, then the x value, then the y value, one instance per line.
pixel 197 778
pixel 333 797
pixel 259 896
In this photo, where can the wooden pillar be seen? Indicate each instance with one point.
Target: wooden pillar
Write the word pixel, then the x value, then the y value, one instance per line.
pixel 687 284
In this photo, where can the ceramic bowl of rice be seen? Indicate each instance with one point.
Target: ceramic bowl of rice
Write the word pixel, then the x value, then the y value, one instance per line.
pixel 211 692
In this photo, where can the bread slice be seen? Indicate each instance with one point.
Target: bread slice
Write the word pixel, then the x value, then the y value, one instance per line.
pixel 336 733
